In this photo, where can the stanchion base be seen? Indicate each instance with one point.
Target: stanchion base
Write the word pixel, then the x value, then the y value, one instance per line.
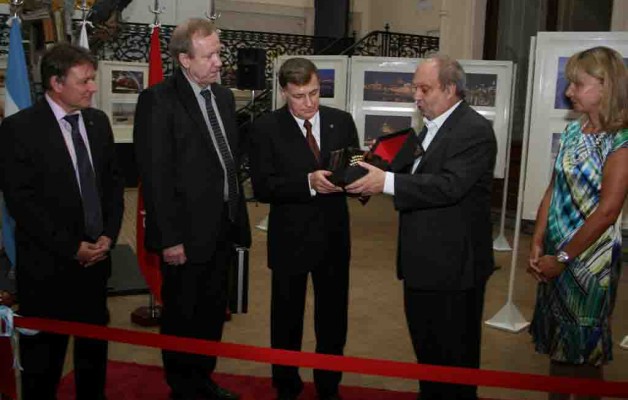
pixel 263 224
pixel 508 319
pixel 624 343
pixel 146 316
pixel 501 244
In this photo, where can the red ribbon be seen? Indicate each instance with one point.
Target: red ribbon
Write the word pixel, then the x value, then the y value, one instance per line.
pixel 510 380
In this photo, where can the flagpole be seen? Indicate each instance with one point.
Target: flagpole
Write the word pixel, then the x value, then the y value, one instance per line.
pixel 210 13
pixel 15 8
pixel 17 96
pixel 149 315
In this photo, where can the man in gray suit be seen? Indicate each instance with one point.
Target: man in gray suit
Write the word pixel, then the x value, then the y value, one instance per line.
pixel 441 185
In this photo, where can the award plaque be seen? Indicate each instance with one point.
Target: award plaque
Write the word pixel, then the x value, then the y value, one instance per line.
pixel 343 163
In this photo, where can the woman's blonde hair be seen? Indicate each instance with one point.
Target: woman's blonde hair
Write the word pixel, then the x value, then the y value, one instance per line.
pixel 607 65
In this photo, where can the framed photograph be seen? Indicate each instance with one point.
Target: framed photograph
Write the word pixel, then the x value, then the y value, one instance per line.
pixel 380 95
pixel 385 86
pixel 481 89
pixel 120 84
pixel 122 114
pixel 489 92
pixel 328 82
pixel 332 71
pixel 550 111
pixel 127 82
pixel 374 123
pixel 379 125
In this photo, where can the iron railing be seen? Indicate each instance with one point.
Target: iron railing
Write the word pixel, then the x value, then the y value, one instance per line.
pixel 393 44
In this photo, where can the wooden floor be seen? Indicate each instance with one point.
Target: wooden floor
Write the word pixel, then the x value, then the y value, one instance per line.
pixel 377 327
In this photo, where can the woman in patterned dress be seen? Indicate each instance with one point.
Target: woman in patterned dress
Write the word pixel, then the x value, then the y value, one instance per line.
pixel 575 252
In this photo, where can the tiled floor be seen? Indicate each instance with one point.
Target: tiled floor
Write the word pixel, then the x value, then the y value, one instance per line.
pixel 377 326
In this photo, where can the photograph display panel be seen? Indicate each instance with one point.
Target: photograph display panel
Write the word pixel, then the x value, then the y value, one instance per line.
pixel 120 84
pixel 550 110
pixel 380 96
pixel 332 71
pixel 383 86
pixel 489 88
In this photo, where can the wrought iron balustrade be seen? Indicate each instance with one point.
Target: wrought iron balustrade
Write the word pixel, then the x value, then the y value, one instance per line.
pixel 131 43
pixel 392 44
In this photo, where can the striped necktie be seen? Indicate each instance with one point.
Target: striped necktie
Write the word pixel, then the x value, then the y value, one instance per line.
pixel 225 154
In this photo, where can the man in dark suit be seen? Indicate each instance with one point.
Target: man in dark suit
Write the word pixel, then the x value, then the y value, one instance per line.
pixel 308 225
pixel 441 183
pixel 65 191
pixel 186 142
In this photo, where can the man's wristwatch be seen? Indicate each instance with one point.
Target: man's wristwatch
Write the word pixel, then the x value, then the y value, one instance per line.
pixel 562 257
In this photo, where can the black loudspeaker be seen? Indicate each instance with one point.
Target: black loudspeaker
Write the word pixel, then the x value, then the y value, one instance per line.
pixel 251 69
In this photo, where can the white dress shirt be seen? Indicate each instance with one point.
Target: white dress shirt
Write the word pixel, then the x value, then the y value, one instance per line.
pixel 433 126
pixel 66 130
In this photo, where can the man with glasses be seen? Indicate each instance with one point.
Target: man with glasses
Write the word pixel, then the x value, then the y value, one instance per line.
pixel 441 185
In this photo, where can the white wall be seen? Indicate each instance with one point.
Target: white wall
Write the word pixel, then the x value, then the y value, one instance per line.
pixel 462 28
pixel 405 16
pixel 283 16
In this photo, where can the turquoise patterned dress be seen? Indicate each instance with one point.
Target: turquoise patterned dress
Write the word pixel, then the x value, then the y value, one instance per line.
pixel 571 316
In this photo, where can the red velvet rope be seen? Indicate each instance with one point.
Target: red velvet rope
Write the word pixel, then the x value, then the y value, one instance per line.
pixel 396 369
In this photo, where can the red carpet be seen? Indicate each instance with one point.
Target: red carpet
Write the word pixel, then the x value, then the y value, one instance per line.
pixel 126 381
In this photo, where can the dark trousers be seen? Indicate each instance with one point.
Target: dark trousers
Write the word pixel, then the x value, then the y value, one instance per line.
pixel 194 304
pixel 445 327
pixel 78 294
pixel 331 285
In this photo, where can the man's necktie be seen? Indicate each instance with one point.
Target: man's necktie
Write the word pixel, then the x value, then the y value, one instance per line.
pixel 225 154
pixel 311 141
pixel 418 151
pixel 89 192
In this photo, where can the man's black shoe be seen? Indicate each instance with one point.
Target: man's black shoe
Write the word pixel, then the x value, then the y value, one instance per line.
pixel 211 391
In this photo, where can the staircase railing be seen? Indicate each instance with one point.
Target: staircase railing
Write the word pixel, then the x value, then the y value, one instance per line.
pixel 393 44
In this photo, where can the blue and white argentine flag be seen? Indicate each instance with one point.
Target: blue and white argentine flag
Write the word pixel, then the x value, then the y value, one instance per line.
pixel 17 97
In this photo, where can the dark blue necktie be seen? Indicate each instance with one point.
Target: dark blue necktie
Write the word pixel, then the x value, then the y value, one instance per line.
pixel 89 192
pixel 225 154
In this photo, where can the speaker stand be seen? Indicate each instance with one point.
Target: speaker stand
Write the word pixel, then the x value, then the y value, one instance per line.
pixel 252 105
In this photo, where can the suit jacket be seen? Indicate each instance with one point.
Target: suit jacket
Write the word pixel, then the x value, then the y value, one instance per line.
pixel 43 195
pixel 303 230
pixel 445 233
pixel 182 177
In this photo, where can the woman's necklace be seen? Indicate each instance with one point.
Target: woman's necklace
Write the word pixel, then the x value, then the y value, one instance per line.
pixel 595 133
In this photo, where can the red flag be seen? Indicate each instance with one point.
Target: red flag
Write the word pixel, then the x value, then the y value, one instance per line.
pixel 148 261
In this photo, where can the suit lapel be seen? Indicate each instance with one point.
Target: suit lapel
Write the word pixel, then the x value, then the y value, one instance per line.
pixel 294 138
pixel 405 157
pixel 327 130
pixel 94 144
pixel 188 98
pixel 56 143
pixel 444 132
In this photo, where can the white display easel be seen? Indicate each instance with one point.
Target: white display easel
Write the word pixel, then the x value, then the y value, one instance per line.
pixel 509 318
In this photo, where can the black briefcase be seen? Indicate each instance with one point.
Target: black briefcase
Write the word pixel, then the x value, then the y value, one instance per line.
pixel 239 281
